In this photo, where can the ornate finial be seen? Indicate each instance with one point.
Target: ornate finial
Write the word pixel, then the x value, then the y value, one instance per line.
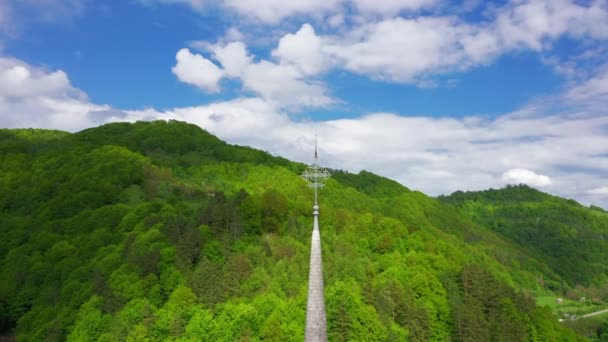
pixel 315 174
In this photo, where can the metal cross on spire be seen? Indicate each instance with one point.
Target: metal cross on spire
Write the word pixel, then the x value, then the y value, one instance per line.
pixel 315 174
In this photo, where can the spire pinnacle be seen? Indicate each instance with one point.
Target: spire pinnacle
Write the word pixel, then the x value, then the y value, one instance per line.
pixel 315 174
pixel 316 154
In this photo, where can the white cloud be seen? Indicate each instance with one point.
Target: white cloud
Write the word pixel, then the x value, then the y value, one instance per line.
pixel 524 176
pixel 197 70
pixel 17 79
pixel 273 11
pixel 405 49
pixel 391 7
pixel 532 23
pixel 368 38
pixel 36 97
pixel 303 50
pixel 595 88
pixel 410 49
pixel 336 20
pixel 288 82
pixel 233 57
pixel 285 85
pixel 239 120
pixel 234 34
pixel 264 11
pixel 401 49
pixel 602 191
pixel 414 49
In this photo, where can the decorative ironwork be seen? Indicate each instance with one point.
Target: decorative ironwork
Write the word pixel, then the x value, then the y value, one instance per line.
pixel 315 174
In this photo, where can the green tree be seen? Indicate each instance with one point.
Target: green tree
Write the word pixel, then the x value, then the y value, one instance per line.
pixel 274 211
pixel 90 322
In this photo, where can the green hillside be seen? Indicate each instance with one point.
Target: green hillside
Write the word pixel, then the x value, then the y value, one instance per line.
pixel 159 231
pixel 568 237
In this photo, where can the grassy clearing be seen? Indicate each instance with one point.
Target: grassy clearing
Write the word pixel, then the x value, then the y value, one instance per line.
pixel 568 306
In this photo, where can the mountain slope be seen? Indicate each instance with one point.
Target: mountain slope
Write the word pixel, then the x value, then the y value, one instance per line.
pixel 161 231
pixel 570 238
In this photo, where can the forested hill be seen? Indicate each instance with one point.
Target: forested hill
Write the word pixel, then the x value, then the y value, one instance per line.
pixel 568 237
pixel 159 231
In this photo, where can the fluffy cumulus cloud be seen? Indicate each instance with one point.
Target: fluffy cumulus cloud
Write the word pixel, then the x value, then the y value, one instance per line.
pixel 233 57
pixel 402 50
pixel 288 80
pixel 35 97
pixel 532 23
pixel 19 80
pixel 303 50
pixel 414 49
pixel 409 48
pixel 197 70
pixel 524 176
pixel 406 49
pixel 285 85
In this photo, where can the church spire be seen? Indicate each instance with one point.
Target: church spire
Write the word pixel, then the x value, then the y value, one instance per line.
pixel 316 325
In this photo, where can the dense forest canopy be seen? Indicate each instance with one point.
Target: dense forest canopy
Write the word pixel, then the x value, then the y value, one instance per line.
pixel 568 237
pixel 159 231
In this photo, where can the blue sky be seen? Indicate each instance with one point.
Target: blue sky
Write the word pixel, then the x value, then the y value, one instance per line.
pixel 440 95
pixel 121 52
